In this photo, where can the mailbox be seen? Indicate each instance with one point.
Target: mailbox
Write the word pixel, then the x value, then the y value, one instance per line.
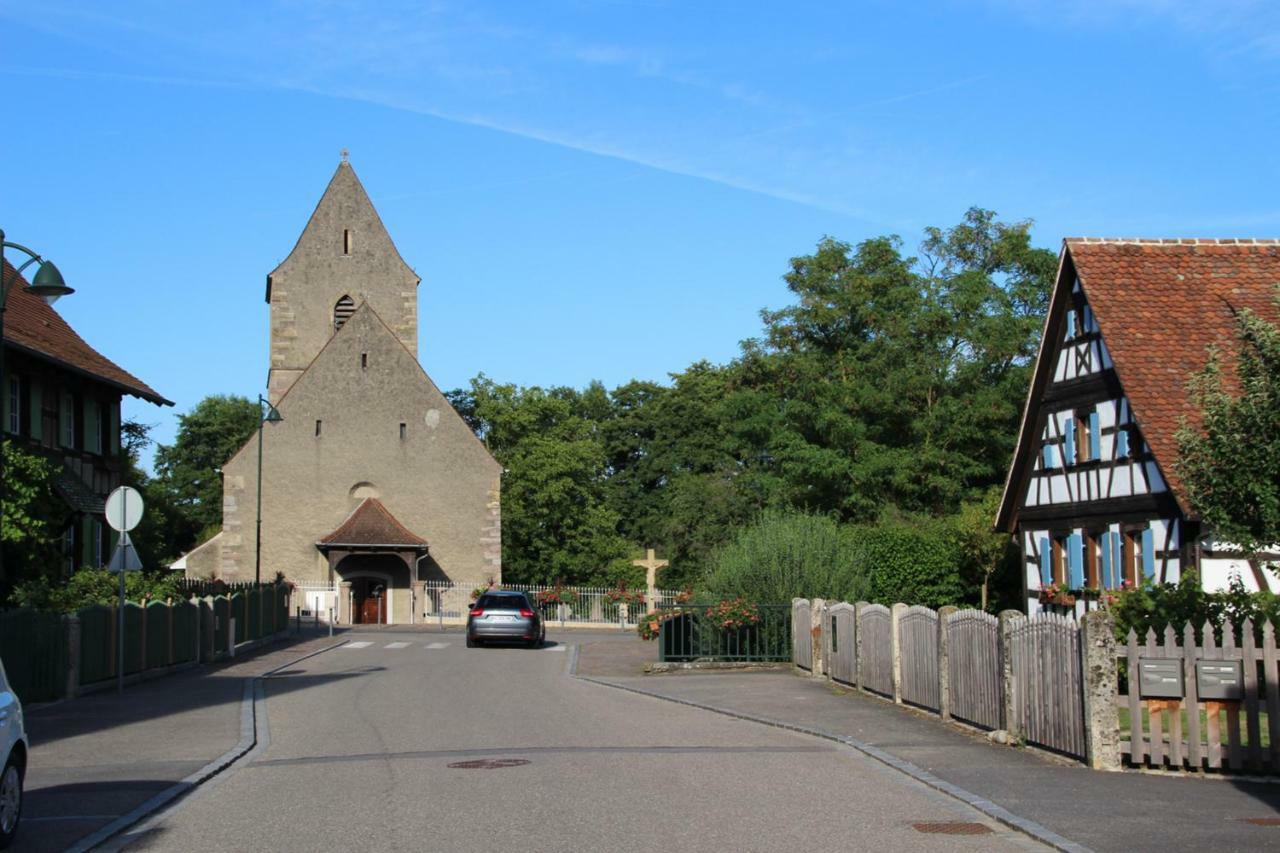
pixel 1160 678
pixel 1220 679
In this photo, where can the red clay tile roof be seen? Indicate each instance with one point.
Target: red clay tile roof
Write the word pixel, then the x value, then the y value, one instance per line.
pixel 1160 304
pixel 371 524
pixel 32 325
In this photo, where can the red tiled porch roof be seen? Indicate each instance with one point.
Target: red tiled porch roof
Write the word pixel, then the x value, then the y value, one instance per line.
pixel 371 525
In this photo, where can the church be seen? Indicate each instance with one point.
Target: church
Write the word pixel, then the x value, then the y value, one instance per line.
pixel 372 485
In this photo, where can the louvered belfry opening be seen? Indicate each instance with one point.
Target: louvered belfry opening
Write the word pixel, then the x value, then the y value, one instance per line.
pixel 342 311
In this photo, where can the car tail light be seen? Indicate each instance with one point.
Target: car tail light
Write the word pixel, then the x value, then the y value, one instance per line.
pixel 526 612
pixel 477 611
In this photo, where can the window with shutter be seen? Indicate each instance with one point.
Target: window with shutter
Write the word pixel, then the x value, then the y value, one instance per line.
pixel 1148 554
pixel 342 311
pixel 1075 561
pixel 1106 558
pixel 1095 437
pixel 1046 562
pixel 1122 442
pixel 1069 443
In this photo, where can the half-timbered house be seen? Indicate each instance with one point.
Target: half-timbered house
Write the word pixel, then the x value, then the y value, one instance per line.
pixel 1093 496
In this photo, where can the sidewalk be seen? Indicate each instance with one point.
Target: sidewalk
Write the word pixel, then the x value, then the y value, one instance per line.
pixel 100 756
pixel 1103 811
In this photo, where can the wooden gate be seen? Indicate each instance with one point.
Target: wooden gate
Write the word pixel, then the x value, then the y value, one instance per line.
pixel 1048 685
pixel 973 660
pixel 841 630
pixel 801 641
pixel 918 636
pixel 875 649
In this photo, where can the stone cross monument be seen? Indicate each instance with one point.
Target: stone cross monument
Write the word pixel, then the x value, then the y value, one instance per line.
pixel 650 566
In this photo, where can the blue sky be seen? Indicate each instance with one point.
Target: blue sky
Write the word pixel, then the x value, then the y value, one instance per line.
pixel 597 190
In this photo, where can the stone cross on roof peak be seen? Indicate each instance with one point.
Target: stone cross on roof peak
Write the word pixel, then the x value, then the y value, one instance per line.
pixel 345 154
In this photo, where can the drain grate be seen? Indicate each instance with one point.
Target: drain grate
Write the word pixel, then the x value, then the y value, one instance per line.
pixel 952 827
pixel 489 764
pixel 1262 821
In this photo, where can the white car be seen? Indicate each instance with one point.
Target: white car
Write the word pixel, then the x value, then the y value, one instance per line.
pixel 14 746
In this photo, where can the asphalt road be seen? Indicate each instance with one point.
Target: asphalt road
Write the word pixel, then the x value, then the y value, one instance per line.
pixel 362 739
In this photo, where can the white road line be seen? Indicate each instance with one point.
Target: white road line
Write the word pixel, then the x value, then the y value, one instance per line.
pixel 437 645
pixel 361 644
pixel 555 648
pixel 396 646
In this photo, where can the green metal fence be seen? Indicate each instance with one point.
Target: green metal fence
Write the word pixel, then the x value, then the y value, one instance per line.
pixel 253 614
pixel 33 646
pixel 185 616
pixel 97 643
pixel 688 632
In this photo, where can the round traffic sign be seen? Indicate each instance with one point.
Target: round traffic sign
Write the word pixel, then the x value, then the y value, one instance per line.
pixel 124 508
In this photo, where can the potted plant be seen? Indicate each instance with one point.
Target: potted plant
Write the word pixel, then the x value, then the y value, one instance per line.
pixel 1056 593
pixel 559 597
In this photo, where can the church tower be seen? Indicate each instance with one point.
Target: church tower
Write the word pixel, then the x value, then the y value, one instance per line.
pixel 344 258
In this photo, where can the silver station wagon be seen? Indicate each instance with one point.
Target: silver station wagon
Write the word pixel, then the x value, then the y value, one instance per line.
pixel 502 615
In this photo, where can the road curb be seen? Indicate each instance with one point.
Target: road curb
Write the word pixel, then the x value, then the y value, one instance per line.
pixel 996 812
pixel 253 695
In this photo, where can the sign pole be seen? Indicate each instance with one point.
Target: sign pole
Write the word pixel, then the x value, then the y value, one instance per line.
pixel 117 512
pixel 124 497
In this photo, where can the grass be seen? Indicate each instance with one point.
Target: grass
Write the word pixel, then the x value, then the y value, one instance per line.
pixel 1264 741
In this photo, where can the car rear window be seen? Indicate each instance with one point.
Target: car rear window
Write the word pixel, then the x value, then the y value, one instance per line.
pixel 502 602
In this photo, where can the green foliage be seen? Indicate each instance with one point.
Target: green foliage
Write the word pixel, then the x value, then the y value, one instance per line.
pixel 787 554
pixel 33 515
pixel 1231 465
pixel 94 586
pixel 1153 606
pixel 914 561
pixel 187 480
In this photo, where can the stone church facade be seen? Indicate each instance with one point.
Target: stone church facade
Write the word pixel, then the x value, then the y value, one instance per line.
pixel 372 485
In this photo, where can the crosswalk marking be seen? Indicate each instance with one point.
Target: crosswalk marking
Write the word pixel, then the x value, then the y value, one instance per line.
pixel 396 646
pixel 437 645
pixel 554 649
pixel 358 645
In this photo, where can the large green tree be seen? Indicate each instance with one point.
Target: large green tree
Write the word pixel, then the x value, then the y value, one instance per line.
pixel 33 515
pixel 1231 462
pixel 187 472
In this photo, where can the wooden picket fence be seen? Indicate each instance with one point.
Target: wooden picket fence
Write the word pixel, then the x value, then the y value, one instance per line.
pixel 1188 732
pixel 974 666
pixel 1048 682
pixel 918 634
pixel 875 649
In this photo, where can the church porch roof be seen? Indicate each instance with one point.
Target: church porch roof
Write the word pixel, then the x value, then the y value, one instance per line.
pixel 372 526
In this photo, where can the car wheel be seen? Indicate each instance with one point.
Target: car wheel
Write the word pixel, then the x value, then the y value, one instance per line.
pixel 471 644
pixel 10 801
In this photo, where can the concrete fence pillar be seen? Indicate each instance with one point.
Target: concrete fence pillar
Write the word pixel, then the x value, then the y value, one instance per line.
pixel 71 628
pixel 944 662
pixel 344 603
pixel 1009 619
pixel 858 607
pixel 1101 721
pixel 817 607
pixel 895 645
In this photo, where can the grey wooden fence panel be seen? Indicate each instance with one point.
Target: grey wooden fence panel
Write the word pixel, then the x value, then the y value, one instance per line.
pixel 801 640
pixel 843 643
pixel 1048 683
pixel 974 659
pixel 918 629
pixel 875 649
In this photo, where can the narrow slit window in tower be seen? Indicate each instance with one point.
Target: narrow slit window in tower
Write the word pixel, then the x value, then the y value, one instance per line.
pixel 317 429
pixel 364 361
pixel 346 241
pixel 404 431
pixel 342 311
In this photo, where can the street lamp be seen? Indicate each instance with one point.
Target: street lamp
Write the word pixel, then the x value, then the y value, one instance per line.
pixel 270 415
pixel 49 286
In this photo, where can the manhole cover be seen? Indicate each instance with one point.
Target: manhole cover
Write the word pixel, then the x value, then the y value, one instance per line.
pixel 1263 821
pixel 489 763
pixel 952 827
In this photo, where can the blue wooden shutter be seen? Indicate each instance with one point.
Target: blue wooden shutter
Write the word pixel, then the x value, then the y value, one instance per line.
pixel 1046 561
pixel 1148 554
pixel 1075 561
pixel 1048 455
pixel 1071 325
pixel 1095 437
pixel 1104 545
pixel 1069 442
pixel 1122 442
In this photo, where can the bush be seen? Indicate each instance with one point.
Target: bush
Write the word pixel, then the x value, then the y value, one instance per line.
pixel 914 561
pixel 1153 606
pixel 95 586
pixel 786 555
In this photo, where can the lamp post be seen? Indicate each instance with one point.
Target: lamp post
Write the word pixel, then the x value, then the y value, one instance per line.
pixel 270 415
pixel 50 287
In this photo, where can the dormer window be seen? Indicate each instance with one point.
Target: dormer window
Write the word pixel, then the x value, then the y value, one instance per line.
pixel 342 311
pixel 346 241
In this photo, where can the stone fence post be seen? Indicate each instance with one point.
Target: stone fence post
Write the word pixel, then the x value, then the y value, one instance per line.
pixel 1101 721
pixel 1009 619
pixel 817 647
pixel 895 644
pixel 944 662
pixel 857 643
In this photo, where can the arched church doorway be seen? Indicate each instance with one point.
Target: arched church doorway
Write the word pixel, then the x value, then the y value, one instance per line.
pixel 369 601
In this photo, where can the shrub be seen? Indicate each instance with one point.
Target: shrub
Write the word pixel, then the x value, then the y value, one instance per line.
pixel 785 555
pixel 1153 606
pixel 95 586
pixel 914 561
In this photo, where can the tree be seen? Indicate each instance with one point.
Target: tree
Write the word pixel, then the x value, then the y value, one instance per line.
pixel 187 471
pixel 33 515
pixel 1231 462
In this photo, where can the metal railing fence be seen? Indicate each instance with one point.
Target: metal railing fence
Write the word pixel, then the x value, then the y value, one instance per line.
pixel 689 632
